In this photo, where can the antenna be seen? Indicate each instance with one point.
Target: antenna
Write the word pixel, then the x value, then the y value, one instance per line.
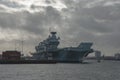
pixel 49 29
pixel 22 45
pixel 15 46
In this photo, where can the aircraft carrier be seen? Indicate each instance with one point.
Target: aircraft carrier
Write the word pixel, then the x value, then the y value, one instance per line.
pixel 48 50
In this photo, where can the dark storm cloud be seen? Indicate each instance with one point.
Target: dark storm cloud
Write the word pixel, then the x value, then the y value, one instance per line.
pixel 8 20
pixel 40 22
pixel 36 23
pixel 108 12
pixel 86 17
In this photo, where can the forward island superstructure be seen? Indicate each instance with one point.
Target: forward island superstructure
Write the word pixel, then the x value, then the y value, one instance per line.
pixel 48 50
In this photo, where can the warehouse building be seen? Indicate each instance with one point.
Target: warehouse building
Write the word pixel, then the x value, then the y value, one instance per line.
pixel 11 55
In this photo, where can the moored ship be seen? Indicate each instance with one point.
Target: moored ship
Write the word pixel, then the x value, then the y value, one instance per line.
pixel 48 50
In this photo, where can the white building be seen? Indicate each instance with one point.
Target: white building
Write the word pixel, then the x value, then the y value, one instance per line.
pixel 117 56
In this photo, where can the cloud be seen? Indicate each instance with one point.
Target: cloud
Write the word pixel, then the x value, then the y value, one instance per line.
pixel 30 26
pixel 74 20
pixel 98 23
pixel 31 6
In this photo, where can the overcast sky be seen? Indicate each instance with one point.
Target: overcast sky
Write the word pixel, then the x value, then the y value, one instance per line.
pixel 76 21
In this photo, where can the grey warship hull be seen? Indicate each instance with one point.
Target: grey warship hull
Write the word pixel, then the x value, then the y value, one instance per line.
pixel 70 55
pixel 64 56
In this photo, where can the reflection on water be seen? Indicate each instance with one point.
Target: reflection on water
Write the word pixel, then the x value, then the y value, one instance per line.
pixel 90 70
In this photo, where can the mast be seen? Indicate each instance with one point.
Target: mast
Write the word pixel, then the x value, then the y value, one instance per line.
pixel 22 46
pixel 15 46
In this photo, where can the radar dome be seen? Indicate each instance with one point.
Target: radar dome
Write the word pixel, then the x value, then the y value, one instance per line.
pixel 53 29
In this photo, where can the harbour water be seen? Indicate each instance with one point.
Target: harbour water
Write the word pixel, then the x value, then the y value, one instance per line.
pixel 90 70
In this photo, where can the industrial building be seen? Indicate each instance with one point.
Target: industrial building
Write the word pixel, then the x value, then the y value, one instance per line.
pixel 11 55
